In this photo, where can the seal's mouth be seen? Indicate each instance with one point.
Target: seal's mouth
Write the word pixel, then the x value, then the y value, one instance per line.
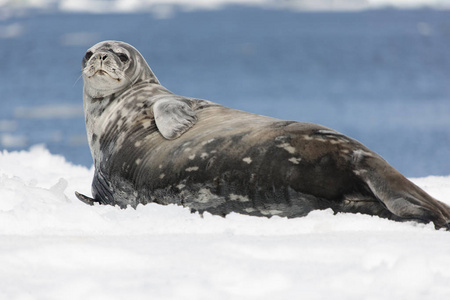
pixel 101 72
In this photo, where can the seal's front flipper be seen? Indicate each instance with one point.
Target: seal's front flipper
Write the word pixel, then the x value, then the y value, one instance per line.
pixel 86 199
pixel 173 117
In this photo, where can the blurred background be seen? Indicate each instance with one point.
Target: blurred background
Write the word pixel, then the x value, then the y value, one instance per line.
pixel 378 71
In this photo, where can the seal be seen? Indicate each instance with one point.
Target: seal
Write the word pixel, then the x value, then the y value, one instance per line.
pixel 150 145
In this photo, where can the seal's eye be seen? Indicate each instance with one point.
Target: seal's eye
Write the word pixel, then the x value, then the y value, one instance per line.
pixel 123 57
pixel 88 55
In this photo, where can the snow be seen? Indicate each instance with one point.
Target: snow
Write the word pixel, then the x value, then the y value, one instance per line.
pixel 52 246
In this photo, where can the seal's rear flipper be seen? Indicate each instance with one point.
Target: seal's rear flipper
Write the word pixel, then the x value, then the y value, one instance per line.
pixel 399 195
pixel 86 199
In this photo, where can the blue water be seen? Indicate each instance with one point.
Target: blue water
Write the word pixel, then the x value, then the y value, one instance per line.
pixel 382 77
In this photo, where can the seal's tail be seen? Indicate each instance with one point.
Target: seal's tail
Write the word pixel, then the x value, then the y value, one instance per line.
pixel 400 196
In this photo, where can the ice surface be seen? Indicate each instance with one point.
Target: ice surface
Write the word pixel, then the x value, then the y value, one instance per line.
pixel 163 6
pixel 49 112
pixel 54 247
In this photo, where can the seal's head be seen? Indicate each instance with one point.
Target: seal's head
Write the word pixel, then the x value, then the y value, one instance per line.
pixel 111 67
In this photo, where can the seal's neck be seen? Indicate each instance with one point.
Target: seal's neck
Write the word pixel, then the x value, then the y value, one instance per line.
pixel 148 76
pixel 94 108
pixel 106 116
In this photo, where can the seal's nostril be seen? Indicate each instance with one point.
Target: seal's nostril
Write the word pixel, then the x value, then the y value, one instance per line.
pixel 104 57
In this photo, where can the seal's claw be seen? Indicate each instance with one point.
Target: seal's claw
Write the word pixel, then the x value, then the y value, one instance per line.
pixel 442 225
pixel 86 199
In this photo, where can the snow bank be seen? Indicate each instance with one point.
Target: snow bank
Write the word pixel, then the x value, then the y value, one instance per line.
pixel 54 247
